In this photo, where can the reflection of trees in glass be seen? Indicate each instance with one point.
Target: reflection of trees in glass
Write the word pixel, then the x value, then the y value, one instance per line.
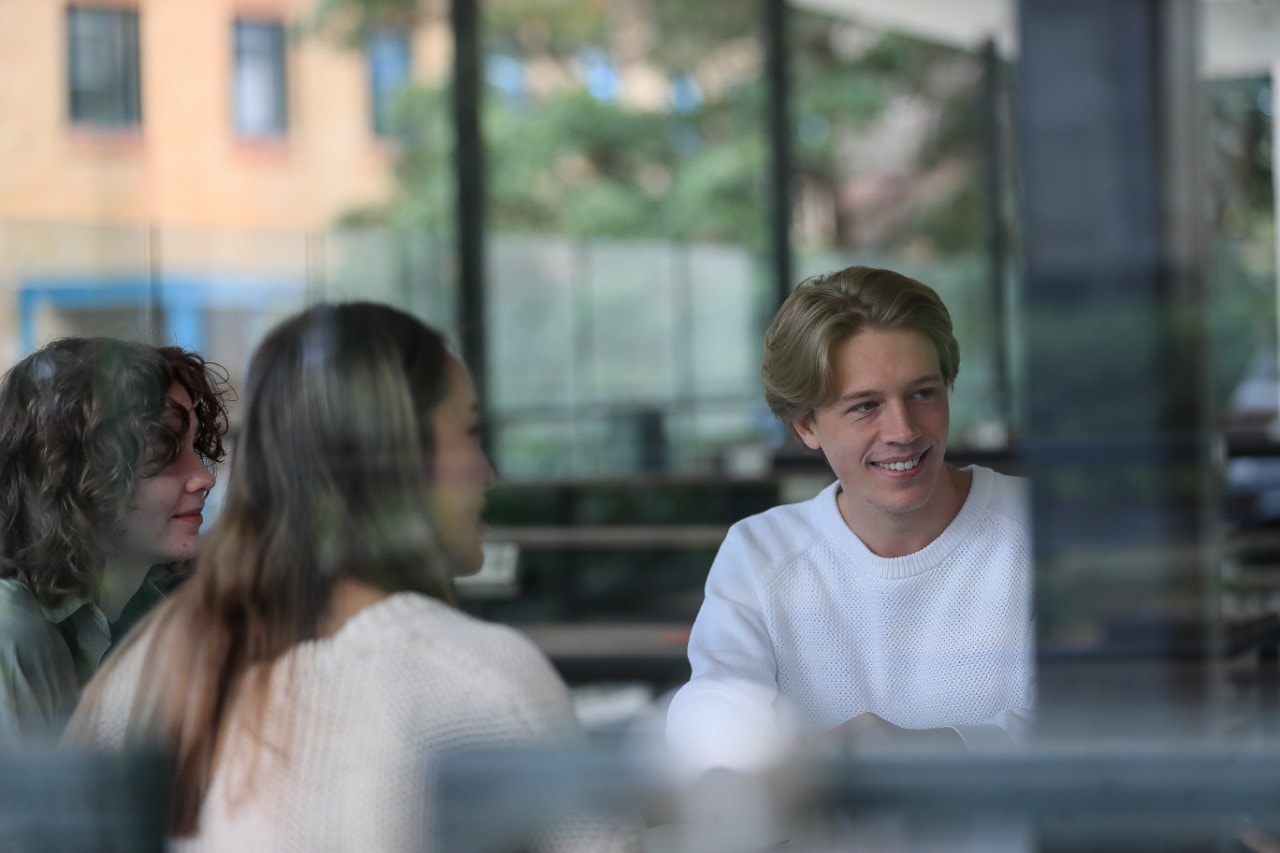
pixel 887 139
pixel 1241 280
pixel 645 119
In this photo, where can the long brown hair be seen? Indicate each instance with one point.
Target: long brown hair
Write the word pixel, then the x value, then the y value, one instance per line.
pixel 81 421
pixel 329 479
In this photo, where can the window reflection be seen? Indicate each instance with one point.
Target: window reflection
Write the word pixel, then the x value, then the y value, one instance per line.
pixel 628 271
pixel 103 67
pixel 390 67
pixel 261 93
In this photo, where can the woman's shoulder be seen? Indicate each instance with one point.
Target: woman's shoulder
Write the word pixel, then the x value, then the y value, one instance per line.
pixel 408 613
pixel 29 641
pixel 20 615
pixel 424 627
pixel 426 651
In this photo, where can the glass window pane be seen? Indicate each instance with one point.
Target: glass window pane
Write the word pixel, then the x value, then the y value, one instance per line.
pixel 260 87
pixel 103 73
pixel 390 64
pixel 632 147
pixel 890 136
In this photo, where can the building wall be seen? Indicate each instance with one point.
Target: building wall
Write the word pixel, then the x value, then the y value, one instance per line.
pixel 185 166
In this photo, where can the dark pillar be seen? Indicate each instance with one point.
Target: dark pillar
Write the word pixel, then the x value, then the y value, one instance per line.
pixel 994 166
pixel 468 155
pixel 778 126
pixel 1118 444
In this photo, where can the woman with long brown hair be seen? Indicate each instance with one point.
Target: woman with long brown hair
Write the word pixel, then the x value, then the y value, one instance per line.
pixel 307 673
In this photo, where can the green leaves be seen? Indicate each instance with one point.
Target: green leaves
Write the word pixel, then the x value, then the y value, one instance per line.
pixel 645 119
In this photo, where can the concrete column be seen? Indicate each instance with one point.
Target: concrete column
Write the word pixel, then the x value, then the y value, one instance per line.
pixel 1119 440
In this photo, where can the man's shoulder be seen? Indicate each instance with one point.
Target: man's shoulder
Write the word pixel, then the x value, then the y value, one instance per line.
pixel 788 519
pixel 996 515
pixel 1009 496
pixel 768 542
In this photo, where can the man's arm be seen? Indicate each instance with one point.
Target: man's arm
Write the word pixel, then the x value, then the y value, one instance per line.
pixel 725 716
pixel 1001 729
pixel 872 730
pixel 1011 724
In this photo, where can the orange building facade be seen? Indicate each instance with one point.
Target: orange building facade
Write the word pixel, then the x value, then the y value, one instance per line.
pixel 184 161
pixel 169 168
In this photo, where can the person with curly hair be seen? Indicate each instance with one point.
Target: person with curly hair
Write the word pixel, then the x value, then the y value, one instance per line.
pixel 106 455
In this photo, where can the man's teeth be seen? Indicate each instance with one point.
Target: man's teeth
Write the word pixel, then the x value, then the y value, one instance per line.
pixel 900 466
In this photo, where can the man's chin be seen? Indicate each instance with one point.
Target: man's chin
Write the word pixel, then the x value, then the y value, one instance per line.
pixel 907 501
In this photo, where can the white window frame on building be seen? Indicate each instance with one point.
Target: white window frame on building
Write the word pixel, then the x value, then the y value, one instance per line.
pixel 260 90
pixel 104 76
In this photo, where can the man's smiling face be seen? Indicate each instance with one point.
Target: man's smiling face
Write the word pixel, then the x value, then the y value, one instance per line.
pixel 885 434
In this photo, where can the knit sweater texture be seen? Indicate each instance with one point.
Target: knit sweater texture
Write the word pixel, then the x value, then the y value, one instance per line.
pixel 803 627
pixel 353 724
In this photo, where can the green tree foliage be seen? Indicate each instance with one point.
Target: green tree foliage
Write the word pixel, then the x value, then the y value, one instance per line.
pixel 562 159
pixel 1242 273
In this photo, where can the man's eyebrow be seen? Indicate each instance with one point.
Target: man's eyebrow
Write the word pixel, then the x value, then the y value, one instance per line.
pixel 929 379
pixel 856 395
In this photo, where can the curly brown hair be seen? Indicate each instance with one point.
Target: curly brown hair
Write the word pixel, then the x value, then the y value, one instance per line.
pixel 81 421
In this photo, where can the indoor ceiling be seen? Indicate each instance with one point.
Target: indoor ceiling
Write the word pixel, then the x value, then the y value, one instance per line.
pixel 1241 37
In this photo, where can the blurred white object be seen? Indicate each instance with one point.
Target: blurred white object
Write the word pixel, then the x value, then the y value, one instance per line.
pixel 497 576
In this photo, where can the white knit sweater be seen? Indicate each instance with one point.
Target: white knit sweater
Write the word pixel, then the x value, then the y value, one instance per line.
pixel 803 627
pixel 353 728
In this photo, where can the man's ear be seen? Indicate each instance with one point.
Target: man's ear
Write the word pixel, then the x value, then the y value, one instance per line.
pixel 804 428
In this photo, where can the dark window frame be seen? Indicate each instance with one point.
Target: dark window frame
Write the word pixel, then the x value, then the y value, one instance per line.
pixel 260 68
pixel 104 67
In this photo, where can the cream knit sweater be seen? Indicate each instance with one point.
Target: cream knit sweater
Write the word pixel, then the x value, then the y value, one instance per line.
pixel 354 723
pixel 803 627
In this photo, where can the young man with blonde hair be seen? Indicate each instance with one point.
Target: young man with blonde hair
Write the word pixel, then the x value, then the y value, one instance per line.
pixel 894 607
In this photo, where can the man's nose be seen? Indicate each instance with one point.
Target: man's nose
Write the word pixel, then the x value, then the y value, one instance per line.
pixel 899 425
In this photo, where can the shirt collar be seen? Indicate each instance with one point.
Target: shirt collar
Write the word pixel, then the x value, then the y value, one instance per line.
pixel 68 605
pixel 85 628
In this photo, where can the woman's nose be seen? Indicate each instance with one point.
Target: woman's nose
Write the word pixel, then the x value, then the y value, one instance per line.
pixel 200 477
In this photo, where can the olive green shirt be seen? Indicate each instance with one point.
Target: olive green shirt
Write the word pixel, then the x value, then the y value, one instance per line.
pixel 48 654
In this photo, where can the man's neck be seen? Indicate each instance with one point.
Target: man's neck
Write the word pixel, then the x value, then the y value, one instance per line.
pixel 894 534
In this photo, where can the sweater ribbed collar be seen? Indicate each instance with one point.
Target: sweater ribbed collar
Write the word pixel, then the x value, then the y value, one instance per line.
pixel 871 565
